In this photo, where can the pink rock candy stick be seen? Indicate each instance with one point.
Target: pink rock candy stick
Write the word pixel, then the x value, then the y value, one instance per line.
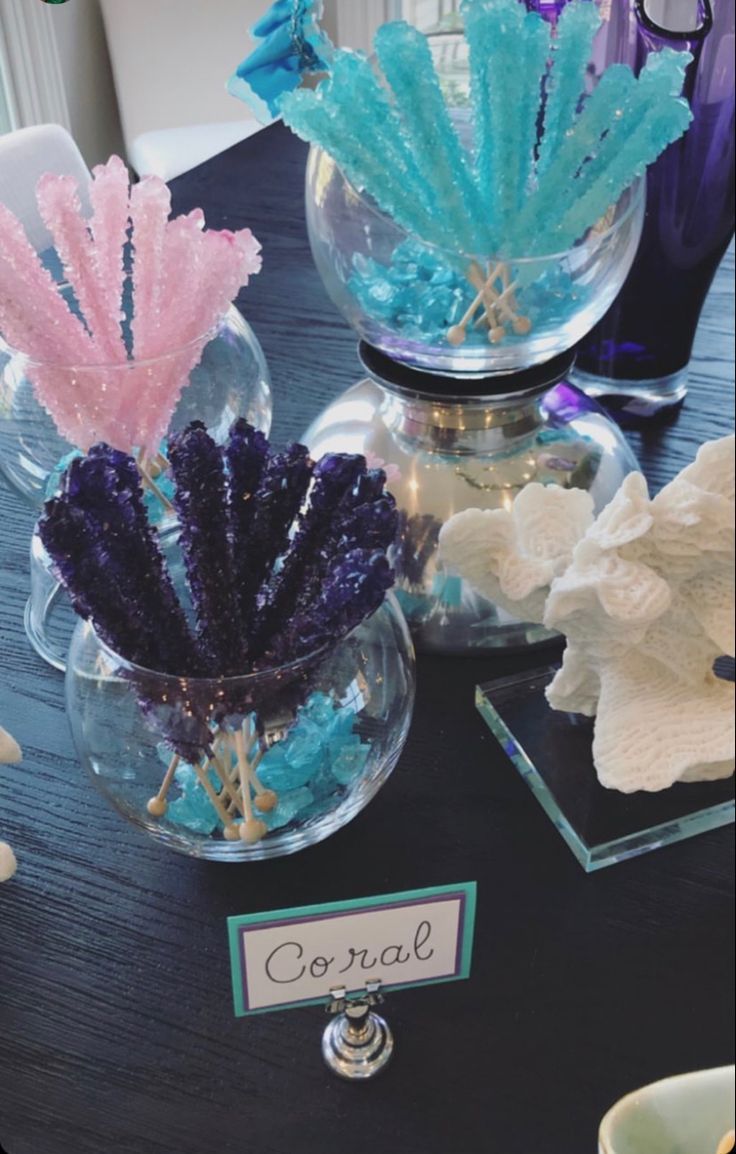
pixel 110 396
pixel 150 206
pixel 110 199
pixel 61 212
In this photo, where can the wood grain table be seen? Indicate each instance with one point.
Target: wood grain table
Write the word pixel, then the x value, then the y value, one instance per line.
pixel 117 1034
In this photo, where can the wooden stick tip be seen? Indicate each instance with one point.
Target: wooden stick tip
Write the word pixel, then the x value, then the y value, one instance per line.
pixel 157 807
pixel 266 802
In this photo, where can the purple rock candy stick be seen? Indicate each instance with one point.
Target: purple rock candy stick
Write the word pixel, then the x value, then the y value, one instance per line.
pixel 198 469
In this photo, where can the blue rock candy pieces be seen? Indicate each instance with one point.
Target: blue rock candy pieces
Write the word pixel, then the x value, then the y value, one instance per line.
pixel 309 770
pixel 193 810
pixel 350 763
pixel 195 813
pixel 290 807
pixel 521 76
pixel 418 294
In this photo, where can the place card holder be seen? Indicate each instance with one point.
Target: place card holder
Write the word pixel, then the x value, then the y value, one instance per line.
pixel 357 1043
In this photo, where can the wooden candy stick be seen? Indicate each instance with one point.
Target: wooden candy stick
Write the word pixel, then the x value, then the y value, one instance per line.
pixel 457 333
pixel 259 789
pixel 158 805
pixel 266 800
pixel 251 831
pixel 221 766
pixel 202 770
pixel 8 862
pixel 521 325
pixel 506 301
pixel 144 470
pixel 484 282
pixel 501 305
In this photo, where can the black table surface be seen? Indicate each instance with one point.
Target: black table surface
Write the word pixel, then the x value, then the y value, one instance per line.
pixel 117 1032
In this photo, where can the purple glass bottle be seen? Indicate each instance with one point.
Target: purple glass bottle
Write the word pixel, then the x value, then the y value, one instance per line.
pixel 636 360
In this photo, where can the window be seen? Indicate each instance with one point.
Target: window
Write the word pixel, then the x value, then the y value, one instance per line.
pixel 429 13
pixel 356 23
pixel 7 117
pixel 31 83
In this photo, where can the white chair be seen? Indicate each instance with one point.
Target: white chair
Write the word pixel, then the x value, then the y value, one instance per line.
pixel 171 60
pixel 26 155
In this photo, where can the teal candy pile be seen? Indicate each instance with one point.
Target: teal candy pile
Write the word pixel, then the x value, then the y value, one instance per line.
pixel 420 295
pixel 548 159
pixel 311 769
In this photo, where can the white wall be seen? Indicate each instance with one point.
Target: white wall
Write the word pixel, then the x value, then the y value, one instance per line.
pixel 85 65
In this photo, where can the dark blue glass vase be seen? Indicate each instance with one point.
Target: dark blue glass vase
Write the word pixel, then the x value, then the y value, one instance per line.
pixel 636 359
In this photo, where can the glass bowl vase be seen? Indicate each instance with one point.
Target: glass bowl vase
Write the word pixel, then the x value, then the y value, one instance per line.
pixel 292 754
pixel 230 380
pixel 409 299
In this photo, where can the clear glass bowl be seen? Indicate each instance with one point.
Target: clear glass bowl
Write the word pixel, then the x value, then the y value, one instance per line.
pixel 452 445
pixel 231 380
pixel 352 706
pixel 408 298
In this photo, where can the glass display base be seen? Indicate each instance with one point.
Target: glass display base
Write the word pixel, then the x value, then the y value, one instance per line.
pixel 638 400
pixel 553 753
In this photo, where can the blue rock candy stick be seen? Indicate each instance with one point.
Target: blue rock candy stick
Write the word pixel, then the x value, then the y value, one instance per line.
pixel 651 118
pixel 658 128
pixel 355 83
pixel 532 231
pixel 347 137
pixel 661 79
pixel 198 469
pixel 494 30
pixel 572 49
pixel 406 61
pixel 536 48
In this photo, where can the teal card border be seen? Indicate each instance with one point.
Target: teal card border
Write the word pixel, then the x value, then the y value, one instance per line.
pixel 466 890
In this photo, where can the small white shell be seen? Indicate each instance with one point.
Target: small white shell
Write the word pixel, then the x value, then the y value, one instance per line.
pixel 8 864
pixel 10 751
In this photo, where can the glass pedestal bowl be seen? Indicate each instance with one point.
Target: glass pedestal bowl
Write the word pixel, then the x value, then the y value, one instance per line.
pixel 450 445
pixel 294 753
pixel 412 300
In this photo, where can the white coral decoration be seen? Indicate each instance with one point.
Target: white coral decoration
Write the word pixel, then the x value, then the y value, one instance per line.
pixel 647 606
pixel 511 556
